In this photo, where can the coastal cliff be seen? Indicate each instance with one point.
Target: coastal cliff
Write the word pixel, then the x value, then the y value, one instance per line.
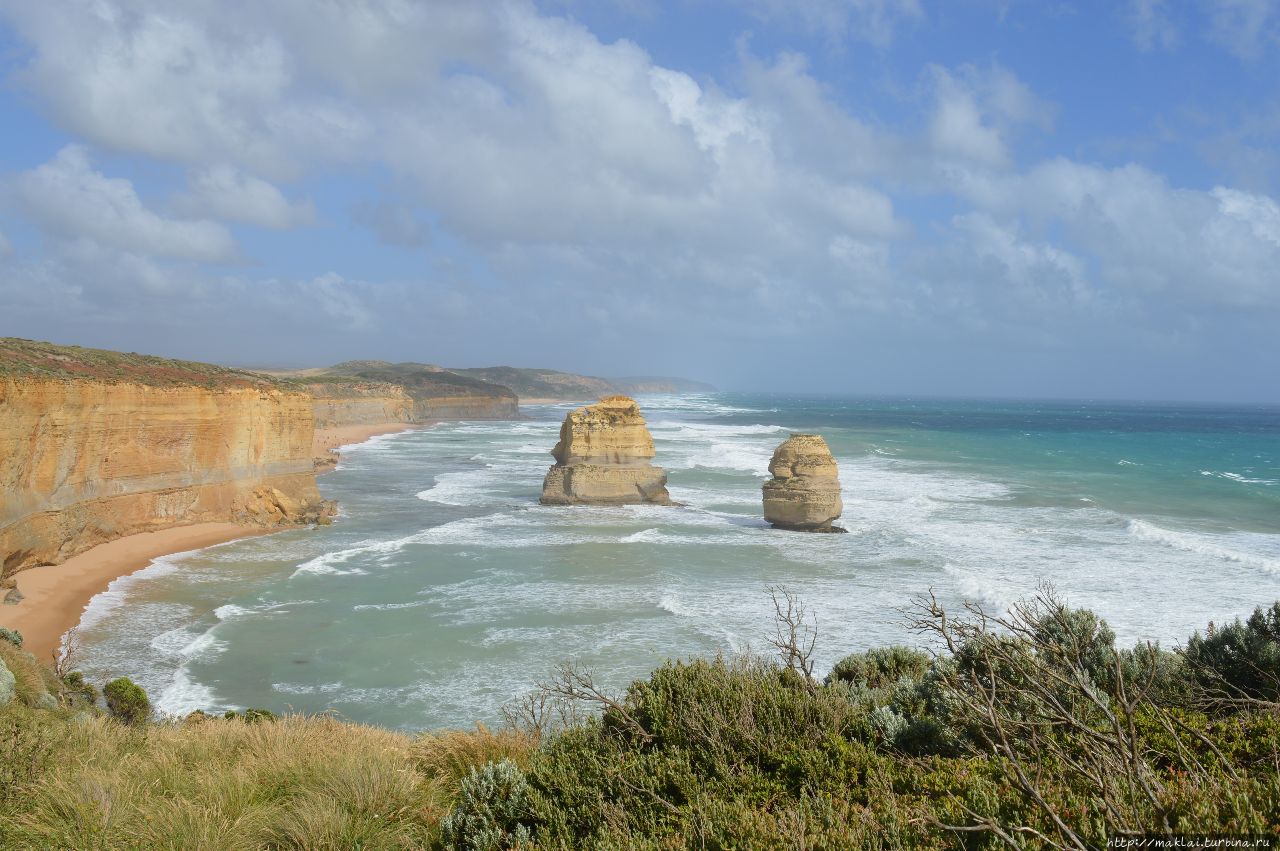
pixel 603 458
pixel 95 445
pixel 376 392
pixel 345 403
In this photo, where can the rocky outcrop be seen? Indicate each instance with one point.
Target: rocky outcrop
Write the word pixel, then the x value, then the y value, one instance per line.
pixel 604 458
pixel 98 445
pixel 804 493
pixel 8 684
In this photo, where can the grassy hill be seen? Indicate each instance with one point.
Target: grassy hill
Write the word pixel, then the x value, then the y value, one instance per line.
pixel 417 378
pixel 552 384
pixel 33 359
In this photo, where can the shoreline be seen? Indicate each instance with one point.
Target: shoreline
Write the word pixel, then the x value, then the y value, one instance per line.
pixel 327 441
pixel 55 596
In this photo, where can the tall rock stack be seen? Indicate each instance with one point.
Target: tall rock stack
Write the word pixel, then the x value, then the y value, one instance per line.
pixel 603 458
pixel 804 493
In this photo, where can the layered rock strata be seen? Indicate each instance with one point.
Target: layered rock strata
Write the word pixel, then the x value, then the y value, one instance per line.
pixel 604 458
pixel 361 392
pixel 804 493
pixel 360 403
pixel 98 445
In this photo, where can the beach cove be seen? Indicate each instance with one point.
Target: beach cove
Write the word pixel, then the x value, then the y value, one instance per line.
pixel 51 599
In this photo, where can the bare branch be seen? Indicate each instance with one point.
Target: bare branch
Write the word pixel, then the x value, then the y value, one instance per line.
pixel 795 632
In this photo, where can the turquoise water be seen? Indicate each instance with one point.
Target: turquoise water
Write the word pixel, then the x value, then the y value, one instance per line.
pixel 444 590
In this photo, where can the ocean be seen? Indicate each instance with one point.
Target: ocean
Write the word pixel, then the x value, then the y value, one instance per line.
pixel 443 590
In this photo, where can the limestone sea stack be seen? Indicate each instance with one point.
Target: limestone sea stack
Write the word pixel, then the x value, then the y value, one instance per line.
pixel 804 493
pixel 604 458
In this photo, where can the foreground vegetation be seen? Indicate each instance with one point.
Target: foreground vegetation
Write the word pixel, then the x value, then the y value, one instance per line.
pixel 1027 729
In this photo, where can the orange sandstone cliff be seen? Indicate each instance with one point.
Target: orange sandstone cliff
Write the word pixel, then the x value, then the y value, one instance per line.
pixel 95 445
pixel 378 392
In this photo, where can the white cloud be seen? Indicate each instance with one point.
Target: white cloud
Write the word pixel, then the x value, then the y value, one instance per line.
pixel 6 247
pixel 977 110
pixel 957 130
pixel 224 192
pixel 1245 27
pixel 1259 212
pixel 170 82
pixel 582 179
pixel 70 200
pixel 1034 271
pixel 1145 235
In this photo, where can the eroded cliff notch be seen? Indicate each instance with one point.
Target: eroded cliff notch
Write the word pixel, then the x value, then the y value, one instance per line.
pixel 804 493
pixel 604 457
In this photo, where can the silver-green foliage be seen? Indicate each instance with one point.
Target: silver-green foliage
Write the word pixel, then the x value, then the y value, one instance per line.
pixel 489 811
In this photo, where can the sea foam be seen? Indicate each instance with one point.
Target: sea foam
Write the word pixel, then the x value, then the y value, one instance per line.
pixel 1213 546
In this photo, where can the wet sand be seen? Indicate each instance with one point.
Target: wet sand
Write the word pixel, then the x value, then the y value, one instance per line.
pixel 54 596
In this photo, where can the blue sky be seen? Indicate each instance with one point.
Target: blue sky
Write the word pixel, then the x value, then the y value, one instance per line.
pixel 855 196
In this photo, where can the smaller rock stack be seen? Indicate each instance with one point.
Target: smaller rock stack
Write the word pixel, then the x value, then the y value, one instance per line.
pixel 604 458
pixel 804 493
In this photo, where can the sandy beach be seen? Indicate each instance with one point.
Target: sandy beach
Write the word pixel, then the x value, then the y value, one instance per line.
pixel 55 595
pixel 329 439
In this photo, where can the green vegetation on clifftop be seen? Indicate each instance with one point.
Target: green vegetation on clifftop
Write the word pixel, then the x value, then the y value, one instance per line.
pixel 32 359
pixel 551 384
pixel 1030 729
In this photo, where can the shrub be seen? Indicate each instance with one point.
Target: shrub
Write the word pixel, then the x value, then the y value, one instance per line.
pixel 80 690
pixel 881 667
pixel 1075 640
pixel 11 635
pixel 126 701
pixel 491 807
pixel 1240 659
pixel 250 715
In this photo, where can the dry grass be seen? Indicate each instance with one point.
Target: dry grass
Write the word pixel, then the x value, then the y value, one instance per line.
pixel 300 782
pixel 34 359
pixel 448 756
pixel 31 679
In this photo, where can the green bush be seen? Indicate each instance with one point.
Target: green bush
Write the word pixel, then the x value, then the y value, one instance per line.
pixel 881 667
pixel 11 635
pixel 1240 659
pixel 80 690
pixel 490 811
pixel 126 701
pixel 251 715
pixel 1076 639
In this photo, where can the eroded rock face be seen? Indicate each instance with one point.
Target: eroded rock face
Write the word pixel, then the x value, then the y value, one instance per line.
pixel 804 493
pixel 85 461
pixel 604 458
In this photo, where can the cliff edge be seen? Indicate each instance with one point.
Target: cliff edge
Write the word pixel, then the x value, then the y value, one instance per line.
pixel 95 445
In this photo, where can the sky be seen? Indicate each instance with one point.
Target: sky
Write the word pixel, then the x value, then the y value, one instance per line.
pixel 962 198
